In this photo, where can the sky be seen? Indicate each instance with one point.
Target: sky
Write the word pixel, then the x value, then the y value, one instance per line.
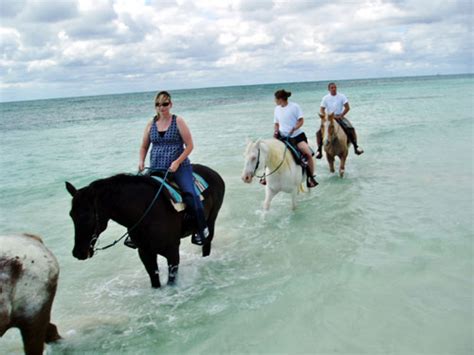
pixel 90 47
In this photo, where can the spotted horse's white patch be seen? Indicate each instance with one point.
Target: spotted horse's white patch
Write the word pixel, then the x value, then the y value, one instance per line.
pixel 28 280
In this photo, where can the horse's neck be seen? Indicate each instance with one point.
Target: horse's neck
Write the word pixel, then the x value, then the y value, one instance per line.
pixel 272 157
pixel 338 136
pixel 123 203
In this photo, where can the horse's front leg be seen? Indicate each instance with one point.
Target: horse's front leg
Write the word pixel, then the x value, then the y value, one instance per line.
pixel 330 159
pixel 269 195
pixel 151 265
pixel 293 199
pixel 172 256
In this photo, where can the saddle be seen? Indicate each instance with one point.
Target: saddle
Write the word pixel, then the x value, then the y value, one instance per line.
pixel 173 192
pixel 295 152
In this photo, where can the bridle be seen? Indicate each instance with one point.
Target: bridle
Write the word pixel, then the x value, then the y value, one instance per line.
pixel 96 234
pixel 274 170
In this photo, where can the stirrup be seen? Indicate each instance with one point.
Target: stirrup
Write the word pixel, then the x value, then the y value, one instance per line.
pixel 311 182
pixel 200 237
pixel 130 243
pixel 358 151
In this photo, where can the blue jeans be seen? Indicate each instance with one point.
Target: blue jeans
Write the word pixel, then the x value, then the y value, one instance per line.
pixel 185 180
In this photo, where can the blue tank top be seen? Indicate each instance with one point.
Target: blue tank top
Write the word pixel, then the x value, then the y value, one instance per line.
pixel 167 147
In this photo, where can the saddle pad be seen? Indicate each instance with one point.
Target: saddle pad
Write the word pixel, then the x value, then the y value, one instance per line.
pixel 174 193
pixel 296 152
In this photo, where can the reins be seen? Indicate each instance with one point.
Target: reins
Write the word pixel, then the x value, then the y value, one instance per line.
pixel 274 170
pixel 95 236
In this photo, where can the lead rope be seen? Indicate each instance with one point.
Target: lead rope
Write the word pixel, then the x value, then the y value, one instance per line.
pixel 96 236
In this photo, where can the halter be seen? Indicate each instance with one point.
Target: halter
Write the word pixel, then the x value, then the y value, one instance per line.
pixel 96 234
pixel 274 170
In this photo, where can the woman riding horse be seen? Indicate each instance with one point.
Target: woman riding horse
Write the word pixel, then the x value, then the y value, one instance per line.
pixel 171 145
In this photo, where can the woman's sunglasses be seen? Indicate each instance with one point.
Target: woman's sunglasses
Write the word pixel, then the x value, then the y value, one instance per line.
pixel 164 104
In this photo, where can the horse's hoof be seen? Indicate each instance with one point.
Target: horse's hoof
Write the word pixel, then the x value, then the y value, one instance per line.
pixel 206 251
pixel 52 334
pixel 171 282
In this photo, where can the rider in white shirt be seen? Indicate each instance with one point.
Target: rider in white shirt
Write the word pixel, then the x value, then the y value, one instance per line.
pixel 288 119
pixel 339 105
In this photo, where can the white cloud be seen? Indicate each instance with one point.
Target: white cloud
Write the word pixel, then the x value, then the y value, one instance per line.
pixel 394 47
pixel 38 65
pixel 124 45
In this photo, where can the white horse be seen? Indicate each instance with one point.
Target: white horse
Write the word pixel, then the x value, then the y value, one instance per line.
pixel 28 279
pixel 277 165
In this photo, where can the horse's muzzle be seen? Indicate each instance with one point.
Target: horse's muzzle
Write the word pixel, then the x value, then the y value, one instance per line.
pixel 247 178
pixel 82 255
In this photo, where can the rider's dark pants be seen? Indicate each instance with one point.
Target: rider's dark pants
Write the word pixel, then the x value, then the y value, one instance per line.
pixel 185 180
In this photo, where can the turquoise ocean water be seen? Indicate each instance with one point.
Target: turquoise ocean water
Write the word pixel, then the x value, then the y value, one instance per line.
pixel 378 262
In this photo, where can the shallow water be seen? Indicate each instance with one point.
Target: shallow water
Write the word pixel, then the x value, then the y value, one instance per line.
pixel 378 262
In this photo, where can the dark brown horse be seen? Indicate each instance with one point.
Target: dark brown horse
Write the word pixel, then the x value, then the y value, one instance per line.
pixel 124 199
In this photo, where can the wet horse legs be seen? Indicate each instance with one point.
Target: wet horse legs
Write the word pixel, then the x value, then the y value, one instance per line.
pixel 173 264
pixel 151 265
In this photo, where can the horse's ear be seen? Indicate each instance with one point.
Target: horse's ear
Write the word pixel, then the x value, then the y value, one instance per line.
pixel 321 116
pixel 71 189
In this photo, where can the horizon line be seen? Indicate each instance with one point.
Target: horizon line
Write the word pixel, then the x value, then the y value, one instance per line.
pixel 230 86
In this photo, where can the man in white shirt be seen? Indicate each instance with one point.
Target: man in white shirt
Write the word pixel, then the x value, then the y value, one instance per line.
pixel 339 105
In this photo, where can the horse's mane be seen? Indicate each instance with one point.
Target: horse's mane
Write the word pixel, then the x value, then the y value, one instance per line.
pixel 276 151
pixel 123 179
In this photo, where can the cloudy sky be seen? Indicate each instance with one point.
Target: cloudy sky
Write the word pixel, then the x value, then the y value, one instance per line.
pixel 88 47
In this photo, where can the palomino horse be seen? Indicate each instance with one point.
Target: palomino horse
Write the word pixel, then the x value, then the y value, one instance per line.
pixel 28 279
pixel 280 169
pixel 124 199
pixel 335 143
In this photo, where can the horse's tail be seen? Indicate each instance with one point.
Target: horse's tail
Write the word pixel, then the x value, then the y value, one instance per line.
pixel 301 188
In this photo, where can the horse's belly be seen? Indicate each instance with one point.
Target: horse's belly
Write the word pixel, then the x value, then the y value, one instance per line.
pixel 286 182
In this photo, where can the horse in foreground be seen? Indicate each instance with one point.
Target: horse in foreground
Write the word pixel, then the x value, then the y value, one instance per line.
pixel 124 199
pixel 280 169
pixel 335 143
pixel 28 280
